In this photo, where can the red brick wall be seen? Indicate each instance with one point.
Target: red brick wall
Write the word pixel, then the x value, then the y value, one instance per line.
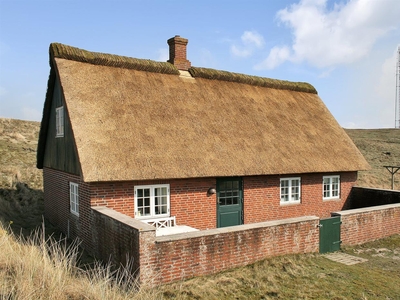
pixel 170 258
pixel 189 201
pixel 262 197
pixel 56 204
pixel 222 249
pixel 368 224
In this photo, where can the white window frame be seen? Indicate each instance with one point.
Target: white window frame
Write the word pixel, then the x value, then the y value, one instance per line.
pixel 330 187
pixel 290 191
pixel 60 121
pixel 153 214
pixel 74 198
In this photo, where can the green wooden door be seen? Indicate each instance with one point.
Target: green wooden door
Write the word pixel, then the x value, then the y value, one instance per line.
pixel 329 235
pixel 229 202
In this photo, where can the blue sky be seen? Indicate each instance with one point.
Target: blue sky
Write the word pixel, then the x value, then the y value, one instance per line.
pixel 346 49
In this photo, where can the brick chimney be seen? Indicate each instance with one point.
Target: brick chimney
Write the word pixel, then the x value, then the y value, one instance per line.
pixel 177 53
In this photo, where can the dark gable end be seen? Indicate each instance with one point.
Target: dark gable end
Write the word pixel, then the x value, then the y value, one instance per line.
pixel 139 119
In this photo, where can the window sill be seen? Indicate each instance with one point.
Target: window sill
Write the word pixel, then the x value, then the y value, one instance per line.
pixel 290 203
pixel 74 214
pixel 331 199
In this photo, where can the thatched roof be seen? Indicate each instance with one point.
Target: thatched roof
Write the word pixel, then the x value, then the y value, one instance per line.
pixel 137 119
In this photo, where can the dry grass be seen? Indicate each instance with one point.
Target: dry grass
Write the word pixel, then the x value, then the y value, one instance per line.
pixel 40 268
pixel 18 144
pixel 380 147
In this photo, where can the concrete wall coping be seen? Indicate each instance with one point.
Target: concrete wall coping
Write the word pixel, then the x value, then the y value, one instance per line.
pixel 365 209
pixel 216 231
pixel 139 225
pixel 375 189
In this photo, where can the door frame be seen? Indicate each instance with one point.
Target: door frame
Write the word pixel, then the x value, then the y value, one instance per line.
pixel 241 198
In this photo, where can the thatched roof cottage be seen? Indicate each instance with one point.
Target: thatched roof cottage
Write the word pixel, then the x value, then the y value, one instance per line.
pixel 165 142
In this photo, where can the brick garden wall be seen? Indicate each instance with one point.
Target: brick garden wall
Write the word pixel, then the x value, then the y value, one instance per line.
pixel 200 253
pixel 170 258
pixel 367 224
pixel 117 238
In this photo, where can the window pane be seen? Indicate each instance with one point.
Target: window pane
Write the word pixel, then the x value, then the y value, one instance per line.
pixel 164 191
pixel 236 185
pixel 228 185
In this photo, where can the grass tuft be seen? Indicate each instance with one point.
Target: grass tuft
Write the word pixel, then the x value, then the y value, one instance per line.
pixel 43 268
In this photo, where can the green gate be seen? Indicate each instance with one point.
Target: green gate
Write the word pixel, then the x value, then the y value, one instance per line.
pixel 329 235
pixel 229 202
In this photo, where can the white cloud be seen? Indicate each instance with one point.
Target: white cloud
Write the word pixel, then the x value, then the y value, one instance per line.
pixel 163 54
pixel 339 36
pixel 276 56
pixel 250 40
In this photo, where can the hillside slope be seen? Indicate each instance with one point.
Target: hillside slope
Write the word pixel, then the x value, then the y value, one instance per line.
pixel 380 147
pixel 18 144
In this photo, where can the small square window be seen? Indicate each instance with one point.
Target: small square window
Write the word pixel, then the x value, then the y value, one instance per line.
pixel 331 187
pixel 152 201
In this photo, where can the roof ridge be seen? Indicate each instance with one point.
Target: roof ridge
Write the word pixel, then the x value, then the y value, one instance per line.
pixel 97 58
pixel 252 80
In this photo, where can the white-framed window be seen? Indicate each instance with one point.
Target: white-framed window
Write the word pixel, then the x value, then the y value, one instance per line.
pixel 290 190
pixel 152 201
pixel 74 198
pixel 60 121
pixel 331 187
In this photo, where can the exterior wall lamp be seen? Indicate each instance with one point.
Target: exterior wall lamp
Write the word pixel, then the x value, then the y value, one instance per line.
pixel 211 191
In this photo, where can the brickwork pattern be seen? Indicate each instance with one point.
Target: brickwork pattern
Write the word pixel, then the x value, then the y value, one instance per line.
pixel 262 197
pixel 189 201
pixel 165 259
pixel 115 242
pixel 208 254
pixel 177 53
pixel 191 205
pixel 368 224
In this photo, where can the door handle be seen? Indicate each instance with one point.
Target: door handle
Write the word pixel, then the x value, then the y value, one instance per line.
pixel 320 225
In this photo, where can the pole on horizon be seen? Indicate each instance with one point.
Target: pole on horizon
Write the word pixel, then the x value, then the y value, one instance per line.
pixel 393 170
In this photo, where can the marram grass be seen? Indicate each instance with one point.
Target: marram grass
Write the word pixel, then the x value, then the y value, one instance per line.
pixel 43 268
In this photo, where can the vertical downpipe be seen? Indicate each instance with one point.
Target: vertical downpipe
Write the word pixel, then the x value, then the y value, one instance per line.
pixel 68 228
